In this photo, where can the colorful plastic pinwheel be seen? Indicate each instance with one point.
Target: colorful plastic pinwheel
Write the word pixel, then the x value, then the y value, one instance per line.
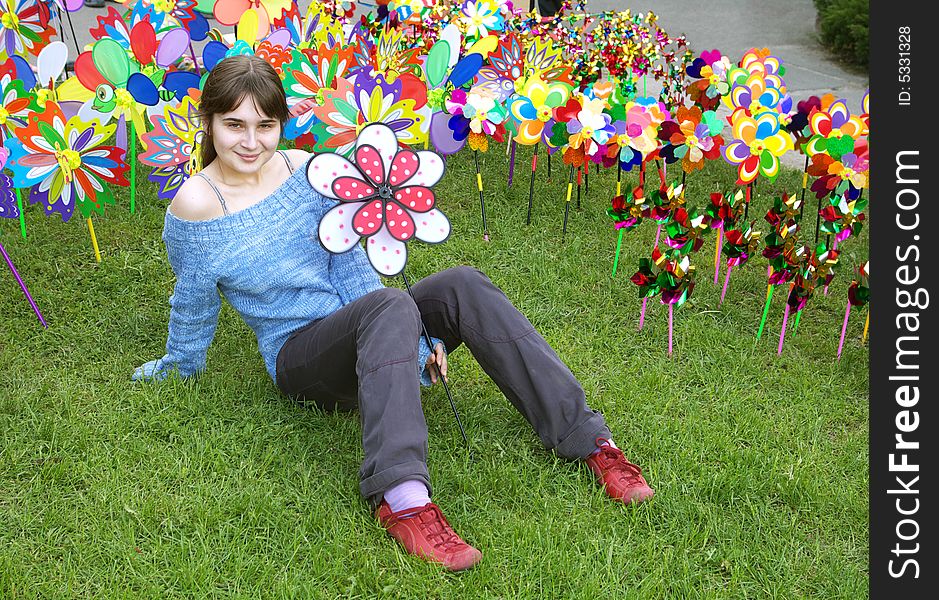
pixel 384 195
pixel 692 137
pixel 172 147
pixel 25 27
pixel 65 163
pixel 757 146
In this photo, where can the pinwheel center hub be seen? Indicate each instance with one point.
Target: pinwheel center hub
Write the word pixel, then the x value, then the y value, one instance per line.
pixel 691 140
pixel 434 98
pixel 544 113
pixel 10 20
pixel 714 79
pixel 165 6
pixel 4 115
pixel 757 148
pixel 123 98
pixel 756 108
pixel 43 95
pixel 385 192
pixel 847 173
pixel 68 160
pixel 588 132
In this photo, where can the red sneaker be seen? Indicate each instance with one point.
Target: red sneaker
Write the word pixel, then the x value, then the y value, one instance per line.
pixel 424 532
pixel 621 479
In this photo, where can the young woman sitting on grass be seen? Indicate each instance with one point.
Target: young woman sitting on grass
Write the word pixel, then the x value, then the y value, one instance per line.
pixel 245 227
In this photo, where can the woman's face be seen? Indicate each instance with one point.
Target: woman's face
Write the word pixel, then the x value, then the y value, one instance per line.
pixel 245 139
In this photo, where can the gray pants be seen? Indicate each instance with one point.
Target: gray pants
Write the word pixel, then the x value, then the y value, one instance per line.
pixel 365 355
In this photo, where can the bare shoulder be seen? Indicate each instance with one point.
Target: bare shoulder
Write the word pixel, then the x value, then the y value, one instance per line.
pixel 195 200
pixel 298 157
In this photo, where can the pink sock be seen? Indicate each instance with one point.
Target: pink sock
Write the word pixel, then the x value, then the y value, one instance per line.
pixel 407 494
pixel 608 442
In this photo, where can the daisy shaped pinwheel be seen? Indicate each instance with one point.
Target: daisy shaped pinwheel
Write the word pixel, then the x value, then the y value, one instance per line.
pixel 65 163
pixel 710 73
pixel 692 137
pixel 384 195
pixel 834 130
pixel 757 146
pixel 25 27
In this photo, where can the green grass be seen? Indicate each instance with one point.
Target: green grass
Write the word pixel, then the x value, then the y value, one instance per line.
pixel 220 487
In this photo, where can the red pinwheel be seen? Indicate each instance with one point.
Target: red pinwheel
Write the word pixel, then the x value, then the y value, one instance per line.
pixel 384 195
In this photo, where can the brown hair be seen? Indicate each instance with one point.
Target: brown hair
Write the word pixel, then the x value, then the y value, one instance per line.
pixel 228 83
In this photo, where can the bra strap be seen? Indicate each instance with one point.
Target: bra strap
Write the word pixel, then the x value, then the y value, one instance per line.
pixel 217 193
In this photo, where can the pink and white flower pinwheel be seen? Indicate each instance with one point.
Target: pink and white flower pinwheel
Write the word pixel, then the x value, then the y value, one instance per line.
pixel 384 195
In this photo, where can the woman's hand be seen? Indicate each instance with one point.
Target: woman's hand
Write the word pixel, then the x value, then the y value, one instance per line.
pixel 437 363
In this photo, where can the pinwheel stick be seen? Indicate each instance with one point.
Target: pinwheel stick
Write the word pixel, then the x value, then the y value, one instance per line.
pixel 482 201
pixel 619 178
pixel 580 175
pixel 795 326
pixel 194 61
pixel 68 16
pixel 746 206
pixel 567 203
pixel 642 312
pixel 867 323
pixel 19 206
pixel 769 300
pixel 586 180
pixel 805 182
pixel 549 166
pixel 670 307
pixel 22 285
pixel 512 162
pixel 717 252
pixel 443 380
pixel 531 184
pixel 782 332
pixel 132 151
pixel 94 240
pixel 619 244
pixel 818 219
pixel 726 281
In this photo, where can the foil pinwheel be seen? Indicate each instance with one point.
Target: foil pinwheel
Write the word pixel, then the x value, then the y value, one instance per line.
pixel 385 195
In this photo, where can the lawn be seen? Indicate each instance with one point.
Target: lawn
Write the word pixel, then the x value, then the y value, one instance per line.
pixel 221 487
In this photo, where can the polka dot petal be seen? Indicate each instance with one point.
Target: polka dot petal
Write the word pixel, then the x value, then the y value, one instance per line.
pixel 380 137
pixel 416 198
pixel 387 255
pixel 432 227
pixel 370 163
pixel 353 189
pixel 403 167
pixel 335 231
pixel 323 170
pixel 399 222
pixel 368 219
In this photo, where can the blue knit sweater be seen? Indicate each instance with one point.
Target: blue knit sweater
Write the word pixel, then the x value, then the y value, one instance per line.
pixel 267 262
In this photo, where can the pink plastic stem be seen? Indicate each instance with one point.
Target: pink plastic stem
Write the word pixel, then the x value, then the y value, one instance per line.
pixel 642 313
pixel 782 333
pixel 844 328
pixel 726 281
pixel 670 329
pixel 658 230
pixel 717 258
pixel 22 285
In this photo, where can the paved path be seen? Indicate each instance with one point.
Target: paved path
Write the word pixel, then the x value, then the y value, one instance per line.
pixel 731 26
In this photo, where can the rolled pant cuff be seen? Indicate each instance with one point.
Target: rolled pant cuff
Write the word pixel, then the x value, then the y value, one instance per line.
pixel 581 441
pixel 372 488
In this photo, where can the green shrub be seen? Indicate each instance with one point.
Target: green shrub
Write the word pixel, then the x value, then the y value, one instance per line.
pixel 844 28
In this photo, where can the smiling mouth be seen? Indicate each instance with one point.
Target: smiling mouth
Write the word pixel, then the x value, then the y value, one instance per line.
pixel 249 156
